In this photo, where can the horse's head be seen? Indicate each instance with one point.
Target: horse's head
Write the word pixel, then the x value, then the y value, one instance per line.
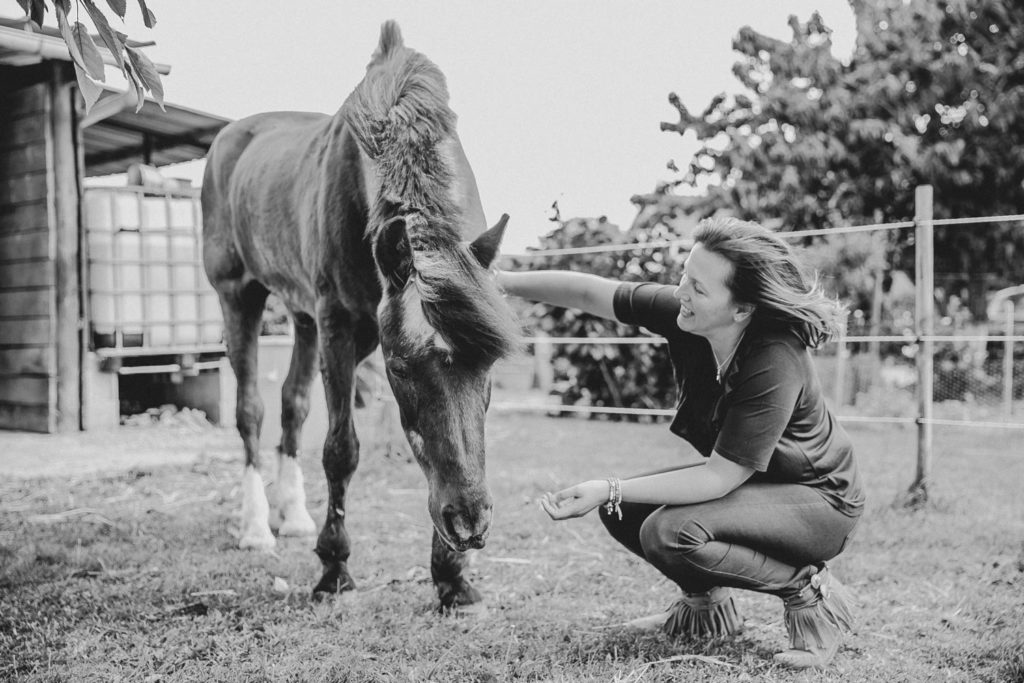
pixel 443 324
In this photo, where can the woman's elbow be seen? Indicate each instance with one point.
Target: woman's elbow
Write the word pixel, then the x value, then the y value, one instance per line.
pixel 726 476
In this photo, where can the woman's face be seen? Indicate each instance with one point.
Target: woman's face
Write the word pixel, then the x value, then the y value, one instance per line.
pixel 705 302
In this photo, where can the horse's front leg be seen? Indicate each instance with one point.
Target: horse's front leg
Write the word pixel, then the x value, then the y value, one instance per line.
pixel 453 589
pixel 338 354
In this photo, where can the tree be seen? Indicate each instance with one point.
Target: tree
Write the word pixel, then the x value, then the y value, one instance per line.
pixel 86 55
pixel 612 375
pixel 934 94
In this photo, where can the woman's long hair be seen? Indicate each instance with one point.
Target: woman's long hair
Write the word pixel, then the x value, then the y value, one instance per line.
pixel 768 274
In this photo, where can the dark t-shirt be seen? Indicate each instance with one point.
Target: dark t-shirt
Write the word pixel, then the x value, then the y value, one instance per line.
pixel 768 413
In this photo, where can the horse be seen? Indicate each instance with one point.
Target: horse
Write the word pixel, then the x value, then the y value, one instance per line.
pixel 369 227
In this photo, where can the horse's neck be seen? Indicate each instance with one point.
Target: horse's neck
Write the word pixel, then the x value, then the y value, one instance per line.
pixel 466 194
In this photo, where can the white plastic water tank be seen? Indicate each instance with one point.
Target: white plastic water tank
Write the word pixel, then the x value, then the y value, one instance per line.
pixel 146 281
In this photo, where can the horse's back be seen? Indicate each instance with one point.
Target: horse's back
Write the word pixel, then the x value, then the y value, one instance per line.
pixel 255 144
pixel 259 173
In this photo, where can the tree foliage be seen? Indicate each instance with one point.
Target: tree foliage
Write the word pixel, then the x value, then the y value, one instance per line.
pixel 134 65
pixel 934 94
pixel 620 375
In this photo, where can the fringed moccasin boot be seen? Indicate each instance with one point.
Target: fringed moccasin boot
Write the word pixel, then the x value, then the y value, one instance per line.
pixel 816 619
pixel 697 615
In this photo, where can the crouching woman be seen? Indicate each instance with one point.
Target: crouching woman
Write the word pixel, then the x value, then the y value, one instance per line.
pixel 778 494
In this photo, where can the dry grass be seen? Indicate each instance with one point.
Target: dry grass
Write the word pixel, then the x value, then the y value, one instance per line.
pixel 134 575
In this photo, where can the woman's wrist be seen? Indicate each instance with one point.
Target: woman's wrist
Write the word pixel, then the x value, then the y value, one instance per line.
pixel 614 501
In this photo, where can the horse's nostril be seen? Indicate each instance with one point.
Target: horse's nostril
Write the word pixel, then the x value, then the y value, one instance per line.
pixel 465 527
pixel 451 523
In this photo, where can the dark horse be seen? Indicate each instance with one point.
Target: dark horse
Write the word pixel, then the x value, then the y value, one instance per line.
pixel 361 223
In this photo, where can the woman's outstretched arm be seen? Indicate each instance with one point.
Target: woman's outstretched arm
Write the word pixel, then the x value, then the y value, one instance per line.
pixel 710 480
pixel 589 293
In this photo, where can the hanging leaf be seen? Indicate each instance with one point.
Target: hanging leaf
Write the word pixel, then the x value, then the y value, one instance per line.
pixel 27 6
pixel 147 74
pixel 34 10
pixel 90 91
pixel 136 82
pixel 108 35
pixel 119 7
pixel 64 5
pixel 69 37
pixel 148 18
pixel 38 12
pixel 90 53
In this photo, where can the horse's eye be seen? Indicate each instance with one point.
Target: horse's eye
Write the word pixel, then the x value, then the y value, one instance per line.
pixel 443 354
pixel 398 367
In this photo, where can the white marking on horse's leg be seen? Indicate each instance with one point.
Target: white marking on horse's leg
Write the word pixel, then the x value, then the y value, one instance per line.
pixel 255 510
pixel 291 496
pixel 274 517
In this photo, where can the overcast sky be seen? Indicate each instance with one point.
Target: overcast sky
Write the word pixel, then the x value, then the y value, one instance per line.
pixel 557 100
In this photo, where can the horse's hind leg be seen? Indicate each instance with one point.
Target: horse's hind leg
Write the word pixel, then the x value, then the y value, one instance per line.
pixel 242 304
pixel 291 515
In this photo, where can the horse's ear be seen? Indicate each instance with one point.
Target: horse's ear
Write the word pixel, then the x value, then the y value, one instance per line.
pixel 485 247
pixel 390 39
pixel 393 253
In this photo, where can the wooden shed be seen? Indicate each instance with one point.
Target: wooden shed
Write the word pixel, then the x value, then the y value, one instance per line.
pixel 48 147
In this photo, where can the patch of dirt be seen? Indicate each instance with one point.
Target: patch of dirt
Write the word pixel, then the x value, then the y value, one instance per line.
pixel 164 437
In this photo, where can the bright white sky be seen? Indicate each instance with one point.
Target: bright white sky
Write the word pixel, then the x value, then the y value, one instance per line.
pixel 557 100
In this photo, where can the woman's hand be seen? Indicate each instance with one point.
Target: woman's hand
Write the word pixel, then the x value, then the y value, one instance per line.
pixel 575 501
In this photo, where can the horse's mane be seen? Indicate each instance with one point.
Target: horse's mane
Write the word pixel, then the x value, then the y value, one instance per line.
pixel 400 117
pixel 399 114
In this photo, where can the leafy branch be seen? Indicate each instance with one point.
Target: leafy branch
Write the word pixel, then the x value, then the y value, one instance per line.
pixel 134 65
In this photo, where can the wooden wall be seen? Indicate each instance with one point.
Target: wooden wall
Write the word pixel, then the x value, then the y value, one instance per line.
pixel 39 302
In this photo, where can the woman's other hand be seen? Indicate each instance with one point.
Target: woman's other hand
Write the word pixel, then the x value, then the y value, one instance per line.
pixel 575 501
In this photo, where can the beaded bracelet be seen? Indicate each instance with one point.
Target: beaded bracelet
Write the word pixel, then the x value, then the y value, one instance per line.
pixel 614 497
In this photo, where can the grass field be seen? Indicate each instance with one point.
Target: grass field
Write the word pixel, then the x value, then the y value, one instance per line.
pixel 134 575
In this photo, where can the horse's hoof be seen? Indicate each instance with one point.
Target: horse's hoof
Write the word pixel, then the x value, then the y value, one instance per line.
pixel 333 583
pixel 321 594
pixel 345 599
pixel 274 521
pixel 476 610
pixel 257 539
pixel 299 523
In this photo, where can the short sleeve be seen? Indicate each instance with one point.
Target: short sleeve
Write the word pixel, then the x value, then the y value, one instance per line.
pixel 648 305
pixel 760 405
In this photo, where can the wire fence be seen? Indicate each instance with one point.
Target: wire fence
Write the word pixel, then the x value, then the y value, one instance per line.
pixel 933 360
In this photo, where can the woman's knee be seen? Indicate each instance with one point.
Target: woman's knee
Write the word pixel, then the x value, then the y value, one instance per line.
pixel 665 535
pixel 627 529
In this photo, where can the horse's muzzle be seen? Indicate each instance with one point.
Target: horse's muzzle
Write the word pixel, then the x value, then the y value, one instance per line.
pixel 466 528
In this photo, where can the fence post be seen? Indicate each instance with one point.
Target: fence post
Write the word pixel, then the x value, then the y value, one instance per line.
pixel 925 328
pixel 840 377
pixel 1009 311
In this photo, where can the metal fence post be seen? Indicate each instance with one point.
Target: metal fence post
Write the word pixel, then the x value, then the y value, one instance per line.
pixel 840 387
pixel 925 329
pixel 1009 310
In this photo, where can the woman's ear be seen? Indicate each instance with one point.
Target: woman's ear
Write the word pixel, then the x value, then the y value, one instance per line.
pixel 743 312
